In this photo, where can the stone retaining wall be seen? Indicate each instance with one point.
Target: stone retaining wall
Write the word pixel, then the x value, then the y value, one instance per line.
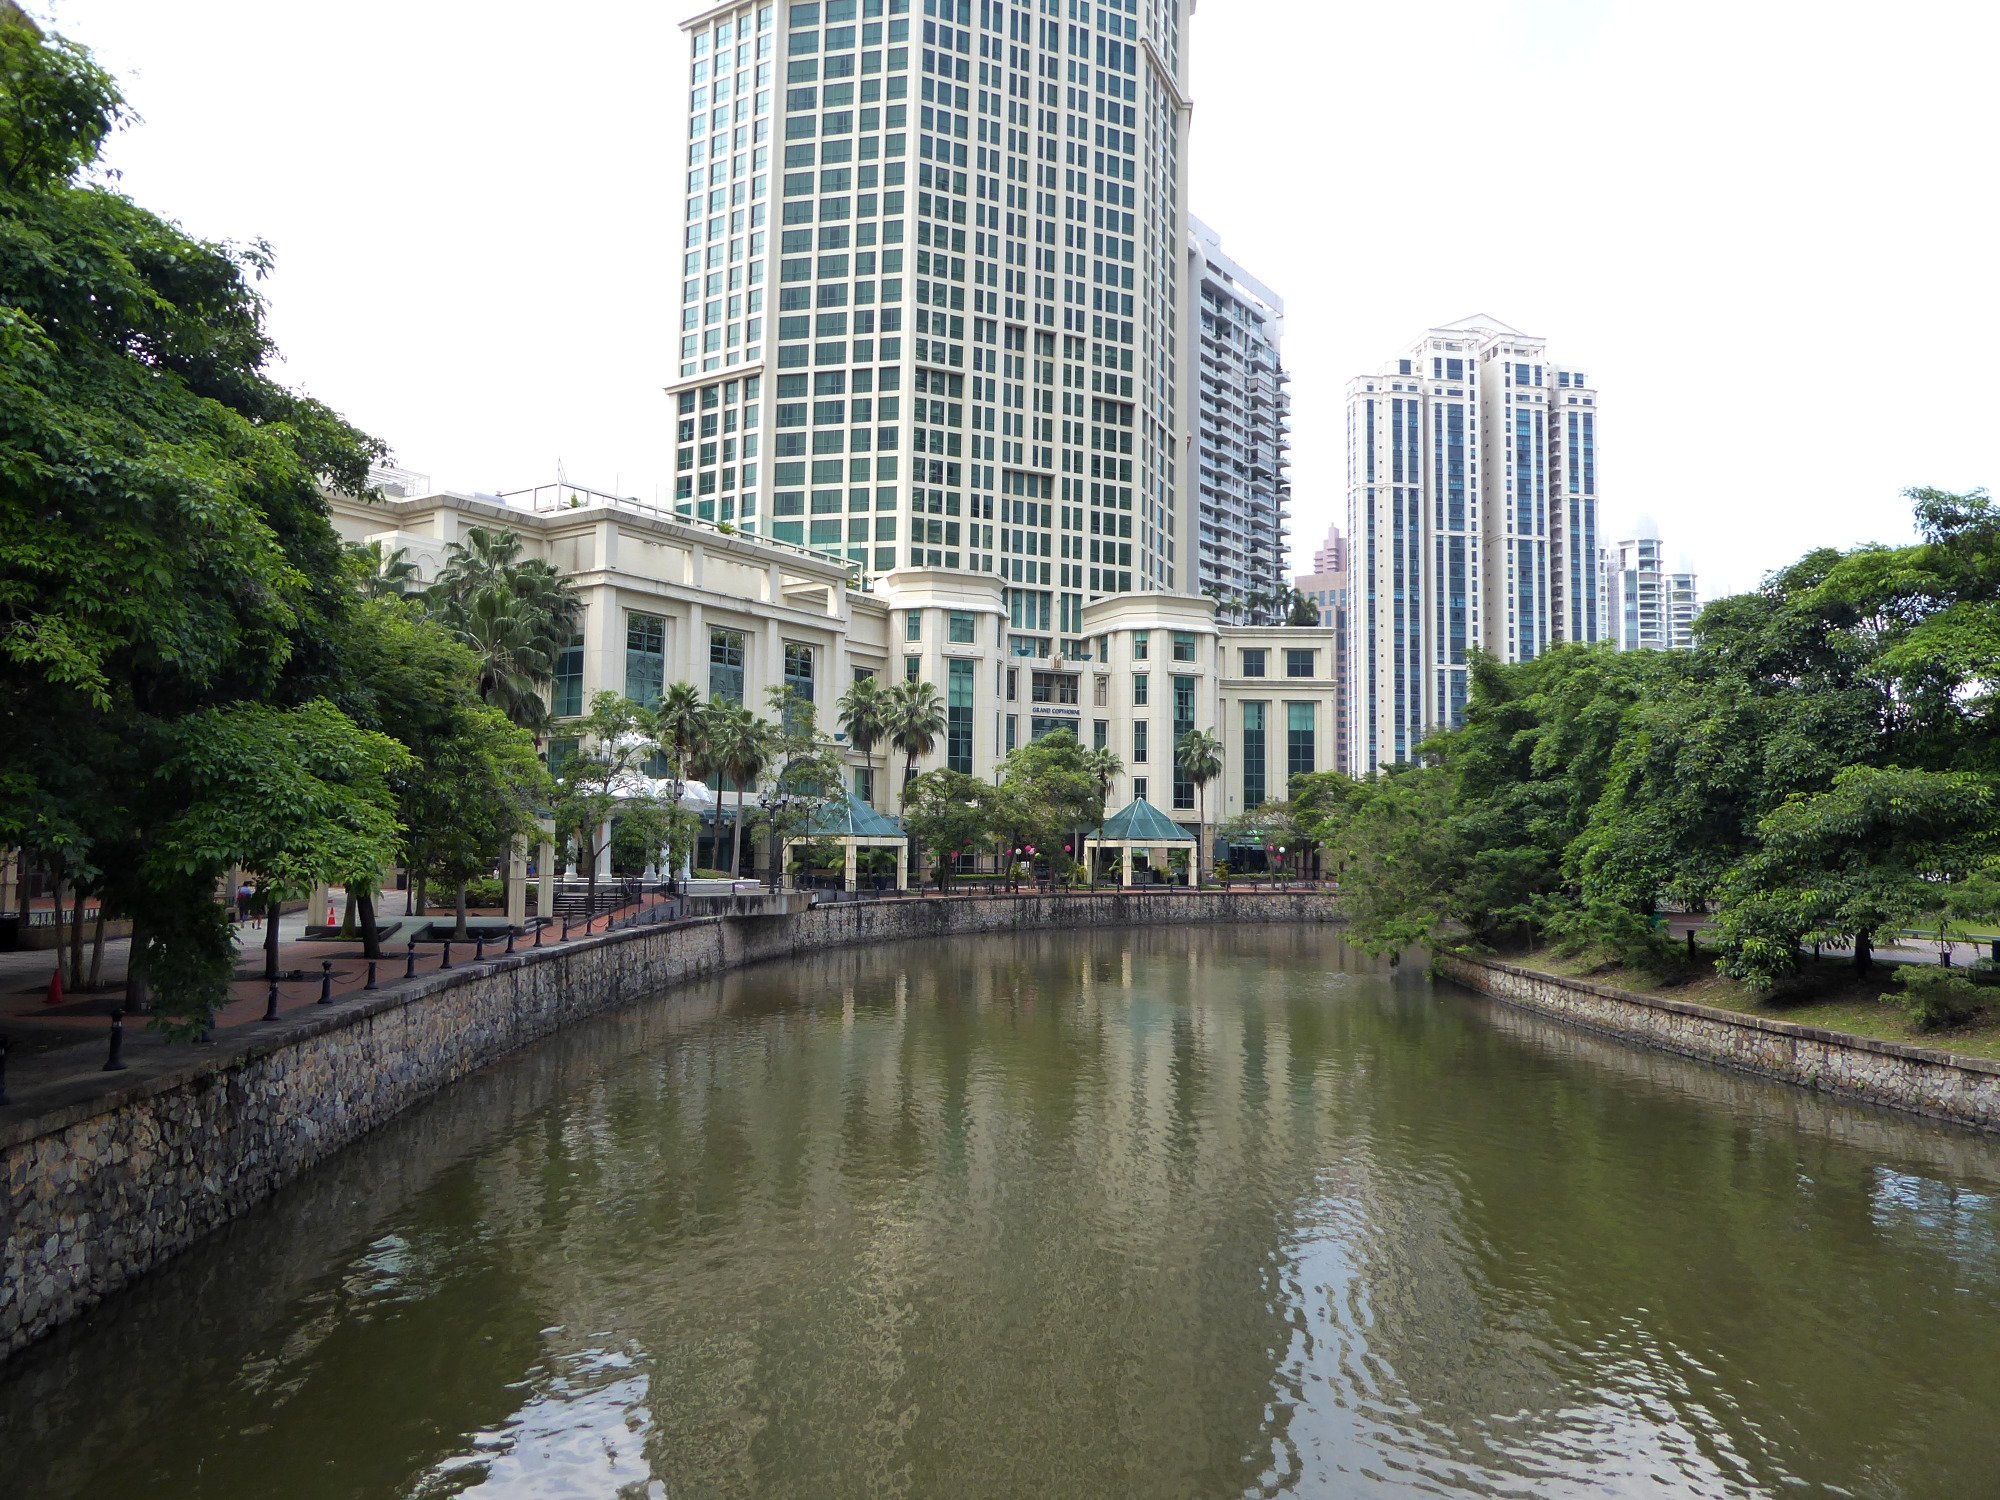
pixel 98 1193
pixel 1963 1090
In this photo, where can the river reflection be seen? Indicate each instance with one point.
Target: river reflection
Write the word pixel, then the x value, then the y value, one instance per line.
pixel 1207 1212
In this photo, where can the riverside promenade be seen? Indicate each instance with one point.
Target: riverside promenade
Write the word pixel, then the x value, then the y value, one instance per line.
pixel 56 1054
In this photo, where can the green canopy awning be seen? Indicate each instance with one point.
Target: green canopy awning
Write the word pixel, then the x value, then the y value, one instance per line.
pixel 849 817
pixel 1144 824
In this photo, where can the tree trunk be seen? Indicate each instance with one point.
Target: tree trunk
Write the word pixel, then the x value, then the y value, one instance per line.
pixel 423 903
pixel 137 1000
pixel 371 940
pixel 97 946
pixel 736 836
pixel 271 905
pixel 56 916
pixel 590 886
pixel 715 831
pixel 76 937
pixel 347 917
pixel 461 932
pixel 1864 952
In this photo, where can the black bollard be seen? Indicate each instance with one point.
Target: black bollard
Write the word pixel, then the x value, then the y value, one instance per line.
pixel 478 947
pixel 326 981
pixel 271 1002
pixel 115 1063
pixel 1690 942
pixel 4 1100
pixel 510 940
pixel 539 925
pixel 444 959
pixel 565 937
pixel 371 976
pixel 410 965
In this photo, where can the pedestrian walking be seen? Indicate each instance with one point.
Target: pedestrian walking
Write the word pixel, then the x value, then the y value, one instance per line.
pixel 246 902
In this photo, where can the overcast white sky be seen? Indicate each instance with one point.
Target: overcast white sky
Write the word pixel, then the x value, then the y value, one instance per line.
pixel 1767 230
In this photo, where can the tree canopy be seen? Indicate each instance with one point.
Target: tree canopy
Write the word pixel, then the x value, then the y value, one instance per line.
pixel 1820 768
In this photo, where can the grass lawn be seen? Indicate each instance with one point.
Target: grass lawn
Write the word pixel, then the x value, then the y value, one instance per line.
pixel 1828 994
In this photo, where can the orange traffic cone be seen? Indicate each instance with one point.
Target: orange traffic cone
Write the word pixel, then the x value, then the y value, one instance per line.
pixel 55 994
pixel 329 912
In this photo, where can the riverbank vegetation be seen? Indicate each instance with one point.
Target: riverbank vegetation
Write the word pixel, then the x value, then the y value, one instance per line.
pixel 1818 773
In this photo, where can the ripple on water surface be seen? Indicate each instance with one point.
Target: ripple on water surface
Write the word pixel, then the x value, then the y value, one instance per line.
pixel 1209 1212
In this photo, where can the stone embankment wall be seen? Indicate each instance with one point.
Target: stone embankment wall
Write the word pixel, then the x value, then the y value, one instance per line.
pixel 1964 1090
pixel 98 1193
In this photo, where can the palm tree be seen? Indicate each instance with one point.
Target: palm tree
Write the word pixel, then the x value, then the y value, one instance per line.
pixel 677 719
pixel 518 616
pixel 746 743
pixel 384 576
pixel 863 711
pixel 515 659
pixel 916 719
pixel 1198 757
pixel 708 758
pixel 482 560
pixel 1105 766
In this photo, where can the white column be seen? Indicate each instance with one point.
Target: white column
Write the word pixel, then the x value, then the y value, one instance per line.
pixel 545 876
pixel 517 882
pixel 902 867
pixel 1194 863
pixel 851 864
pixel 1126 855
pixel 604 850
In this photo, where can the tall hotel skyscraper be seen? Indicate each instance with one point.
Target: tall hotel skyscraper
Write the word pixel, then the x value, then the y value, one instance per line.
pixel 934 308
pixel 1472 515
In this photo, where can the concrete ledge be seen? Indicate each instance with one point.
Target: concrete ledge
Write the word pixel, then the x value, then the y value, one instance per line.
pixel 115 1176
pixel 1920 1080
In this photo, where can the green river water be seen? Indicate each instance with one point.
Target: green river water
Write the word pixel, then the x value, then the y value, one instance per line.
pixel 1198 1212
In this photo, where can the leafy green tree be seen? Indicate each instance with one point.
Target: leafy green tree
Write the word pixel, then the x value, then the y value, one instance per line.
pixel 601 778
pixel 948 813
pixel 166 560
pixel 475 781
pixel 804 774
pixel 302 796
pixel 916 721
pixel 1048 794
pixel 1882 849
pixel 1198 757
pixel 473 794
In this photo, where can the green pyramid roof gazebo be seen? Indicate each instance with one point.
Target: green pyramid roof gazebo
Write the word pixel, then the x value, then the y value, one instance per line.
pixel 850 817
pixel 1141 826
pixel 853 824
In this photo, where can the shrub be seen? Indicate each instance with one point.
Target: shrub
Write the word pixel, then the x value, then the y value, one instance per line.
pixel 1937 997
pixel 485 893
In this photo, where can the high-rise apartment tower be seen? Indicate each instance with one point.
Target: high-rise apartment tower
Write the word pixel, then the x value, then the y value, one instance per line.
pixel 1328 588
pixel 1472 511
pixel 1242 423
pixel 1653 609
pixel 934 311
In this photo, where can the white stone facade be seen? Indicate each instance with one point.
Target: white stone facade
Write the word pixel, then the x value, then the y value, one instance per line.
pixel 669 600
